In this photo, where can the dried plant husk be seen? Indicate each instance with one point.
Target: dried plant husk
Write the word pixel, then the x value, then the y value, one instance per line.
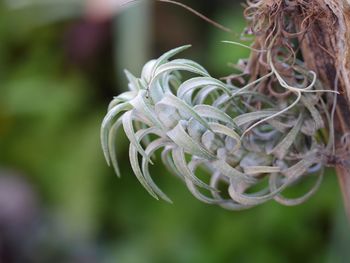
pixel 334 71
pixel 322 30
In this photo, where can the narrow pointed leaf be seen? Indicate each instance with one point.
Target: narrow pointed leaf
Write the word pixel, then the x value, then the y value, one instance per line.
pixel 133 156
pixel 130 133
pixel 175 102
pixel 106 124
pixel 134 84
pixel 211 112
pixel 282 148
pixel 221 129
pixel 189 86
pixel 142 105
pixel 253 116
pixel 151 148
pixel 112 143
pixel 182 166
pixel 182 139
pixel 231 172
pixel 164 58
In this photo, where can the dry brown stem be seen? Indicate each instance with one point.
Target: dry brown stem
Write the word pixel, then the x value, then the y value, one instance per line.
pixel 331 35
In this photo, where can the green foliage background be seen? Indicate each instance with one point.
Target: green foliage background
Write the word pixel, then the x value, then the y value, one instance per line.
pixel 50 115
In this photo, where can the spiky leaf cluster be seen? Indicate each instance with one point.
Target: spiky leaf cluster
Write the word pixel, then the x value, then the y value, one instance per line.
pixel 231 144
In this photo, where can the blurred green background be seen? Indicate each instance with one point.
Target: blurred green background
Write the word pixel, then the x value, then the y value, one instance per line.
pixel 61 63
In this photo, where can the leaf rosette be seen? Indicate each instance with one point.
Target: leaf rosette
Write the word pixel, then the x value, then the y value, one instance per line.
pixel 230 144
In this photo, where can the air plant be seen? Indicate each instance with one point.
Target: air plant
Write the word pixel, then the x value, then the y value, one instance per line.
pixel 238 135
pixel 241 140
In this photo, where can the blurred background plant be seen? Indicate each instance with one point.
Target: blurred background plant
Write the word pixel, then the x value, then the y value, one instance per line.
pixel 60 64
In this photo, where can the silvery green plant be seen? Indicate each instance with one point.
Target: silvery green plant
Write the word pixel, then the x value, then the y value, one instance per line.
pixel 231 144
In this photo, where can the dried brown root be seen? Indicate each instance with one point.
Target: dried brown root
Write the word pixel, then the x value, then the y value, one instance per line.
pixel 315 34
